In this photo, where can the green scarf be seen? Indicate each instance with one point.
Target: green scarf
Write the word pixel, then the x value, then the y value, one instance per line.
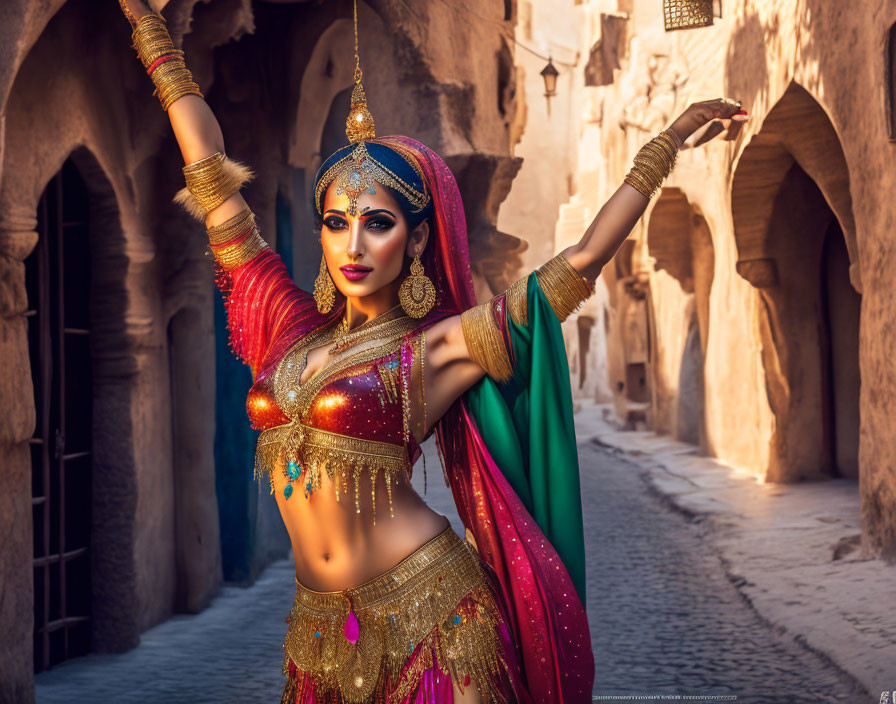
pixel 527 426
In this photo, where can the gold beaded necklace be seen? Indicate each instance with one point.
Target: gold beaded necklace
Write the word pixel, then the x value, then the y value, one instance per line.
pixel 374 327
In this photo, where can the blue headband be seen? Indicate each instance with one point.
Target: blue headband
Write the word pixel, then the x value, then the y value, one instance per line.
pixel 355 168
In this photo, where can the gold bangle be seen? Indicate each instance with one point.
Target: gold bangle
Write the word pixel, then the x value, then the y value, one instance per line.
pixel 151 38
pixel 484 341
pixel 563 286
pixel 232 256
pixel 172 78
pixel 211 181
pixel 636 182
pixel 230 228
pixel 653 163
pixel 517 303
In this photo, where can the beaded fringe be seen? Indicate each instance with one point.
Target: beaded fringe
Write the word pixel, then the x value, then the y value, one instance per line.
pixel 442 613
pixel 344 458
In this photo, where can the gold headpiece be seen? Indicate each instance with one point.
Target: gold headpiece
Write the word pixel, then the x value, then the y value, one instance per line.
pixel 356 172
pixel 359 124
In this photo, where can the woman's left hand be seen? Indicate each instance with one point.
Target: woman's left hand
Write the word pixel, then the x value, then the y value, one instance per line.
pixel 698 114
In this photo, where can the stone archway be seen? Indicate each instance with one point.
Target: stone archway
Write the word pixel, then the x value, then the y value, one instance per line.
pixel 796 244
pixel 680 243
pixel 796 130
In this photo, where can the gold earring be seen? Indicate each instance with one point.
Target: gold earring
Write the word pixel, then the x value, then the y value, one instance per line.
pixel 324 288
pixel 417 293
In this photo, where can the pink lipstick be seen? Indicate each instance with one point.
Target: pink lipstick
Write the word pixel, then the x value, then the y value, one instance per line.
pixel 355 272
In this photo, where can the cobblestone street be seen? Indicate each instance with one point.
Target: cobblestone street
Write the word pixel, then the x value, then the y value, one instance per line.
pixel 664 619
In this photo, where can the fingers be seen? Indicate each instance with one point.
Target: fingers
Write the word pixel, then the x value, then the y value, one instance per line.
pixel 727 109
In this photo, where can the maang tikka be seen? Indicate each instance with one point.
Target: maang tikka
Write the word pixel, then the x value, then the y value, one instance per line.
pixel 356 174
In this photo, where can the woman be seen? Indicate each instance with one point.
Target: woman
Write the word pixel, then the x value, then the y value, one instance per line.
pixel 350 380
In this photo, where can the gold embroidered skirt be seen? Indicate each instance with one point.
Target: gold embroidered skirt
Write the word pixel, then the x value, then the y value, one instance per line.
pixel 376 642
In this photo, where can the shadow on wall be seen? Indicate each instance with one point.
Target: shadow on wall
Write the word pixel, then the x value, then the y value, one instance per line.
pixel 680 242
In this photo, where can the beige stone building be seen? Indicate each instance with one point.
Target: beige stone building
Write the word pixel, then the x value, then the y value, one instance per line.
pixel 126 489
pixel 751 310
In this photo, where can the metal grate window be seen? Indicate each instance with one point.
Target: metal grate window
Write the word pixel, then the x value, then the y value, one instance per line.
pixel 684 14
pixel 57 276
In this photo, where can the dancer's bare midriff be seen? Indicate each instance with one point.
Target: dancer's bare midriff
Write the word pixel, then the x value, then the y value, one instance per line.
pixel 335 547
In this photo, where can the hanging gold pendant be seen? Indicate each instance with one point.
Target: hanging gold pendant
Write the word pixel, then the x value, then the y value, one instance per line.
pixel 417 293
pixel 324 288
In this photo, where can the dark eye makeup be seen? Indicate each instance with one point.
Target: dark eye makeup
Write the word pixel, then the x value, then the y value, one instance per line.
pixel 379 223
pixel 334 223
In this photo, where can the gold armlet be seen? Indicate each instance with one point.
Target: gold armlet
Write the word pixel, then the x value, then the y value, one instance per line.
pixel 653 163
pixel 516 300
pixel 236 241
pixel 211 181
pixel 484 341
pixel 162 61
pixel 563 286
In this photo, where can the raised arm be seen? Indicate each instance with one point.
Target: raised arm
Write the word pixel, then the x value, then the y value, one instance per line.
pixel 194 124
pixel 261 299
pixel 615 220
pixel 464 348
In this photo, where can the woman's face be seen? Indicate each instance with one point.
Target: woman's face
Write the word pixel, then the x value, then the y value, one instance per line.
pixel 374 241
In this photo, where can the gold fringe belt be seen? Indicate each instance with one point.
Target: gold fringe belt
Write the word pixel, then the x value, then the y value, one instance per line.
pixel 358 640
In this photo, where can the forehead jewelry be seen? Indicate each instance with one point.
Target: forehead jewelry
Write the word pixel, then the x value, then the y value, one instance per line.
pixel 358 172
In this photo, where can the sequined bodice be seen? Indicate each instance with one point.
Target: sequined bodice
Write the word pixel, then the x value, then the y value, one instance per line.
pixel 363 401
pixel 350 417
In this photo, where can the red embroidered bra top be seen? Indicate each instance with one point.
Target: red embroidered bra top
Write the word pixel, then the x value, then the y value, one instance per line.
pixel 353 415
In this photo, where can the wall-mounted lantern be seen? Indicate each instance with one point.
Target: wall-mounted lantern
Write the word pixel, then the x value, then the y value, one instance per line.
pixel 549 73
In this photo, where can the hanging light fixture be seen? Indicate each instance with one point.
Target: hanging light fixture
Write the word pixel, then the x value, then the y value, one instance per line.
pixel 549 73
pixel 686 14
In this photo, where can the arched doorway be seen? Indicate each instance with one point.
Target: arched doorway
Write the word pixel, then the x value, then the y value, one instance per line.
pixel 796 244
pixel 83 470
pixel 58 283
